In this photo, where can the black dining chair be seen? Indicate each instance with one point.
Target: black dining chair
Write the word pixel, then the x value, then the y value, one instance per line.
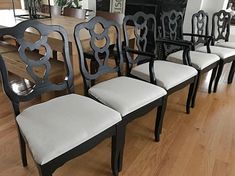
pixel 62 128
pixel 132 98
pixel 221 32
pixel 172 28
pixel 170 76
pixel 220 20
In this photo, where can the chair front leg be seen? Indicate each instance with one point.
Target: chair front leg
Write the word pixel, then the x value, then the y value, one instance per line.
pixel 160 117
pixel 118 142
pixel 212 78
pixel 196 85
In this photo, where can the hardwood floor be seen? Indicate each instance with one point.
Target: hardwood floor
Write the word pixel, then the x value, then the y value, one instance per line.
pixel 199 144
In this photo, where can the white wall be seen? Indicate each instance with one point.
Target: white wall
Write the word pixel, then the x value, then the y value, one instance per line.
pixel 89 4
pixel 193 6
pixel 209 6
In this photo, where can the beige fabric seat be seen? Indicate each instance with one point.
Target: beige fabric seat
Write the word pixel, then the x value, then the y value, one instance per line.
pixel 226 44
pixel 59 125
pixel 125 94
pixel 223 53
pixel 168 74
pixel 199 60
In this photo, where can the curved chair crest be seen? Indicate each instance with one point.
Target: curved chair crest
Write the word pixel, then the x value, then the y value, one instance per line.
pixel 101 53
pixel 221 21
pixel 42 82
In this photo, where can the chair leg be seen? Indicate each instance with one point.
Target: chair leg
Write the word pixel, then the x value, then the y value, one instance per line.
pixel 231 73
pixel 212 78
pixel 220 69
pixel 190 97
pixel 118 142
pixel 43 172
pixel 23 150
pixel 196 85
pixel 159 120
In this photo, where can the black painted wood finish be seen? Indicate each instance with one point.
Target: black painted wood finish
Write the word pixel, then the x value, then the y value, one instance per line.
pixel 43 84
pixel 221 26
pixel 140 21
pixel 103 68
pixel 220 31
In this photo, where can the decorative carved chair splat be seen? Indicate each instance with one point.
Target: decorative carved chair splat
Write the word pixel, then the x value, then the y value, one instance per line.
pixel 171 25
pixel 199 26
pixel 221 25
pixel 38 67
pixel 143 24
pixel 98 29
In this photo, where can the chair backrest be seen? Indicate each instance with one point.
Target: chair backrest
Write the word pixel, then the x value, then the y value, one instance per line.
pixel 73 12
pixel 145 31
pixel 100 40
pixel 221 25
pixel 172 29
pixel 38 69
pixel 199 22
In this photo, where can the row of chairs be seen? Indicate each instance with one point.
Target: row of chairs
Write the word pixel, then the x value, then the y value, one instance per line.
pixel 65 127
pixel 208 51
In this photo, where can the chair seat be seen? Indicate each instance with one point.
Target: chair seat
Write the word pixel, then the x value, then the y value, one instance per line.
pixel 222 52
pixel 199 60
pixel 226 44
pixel 114 93
pixel 168 74
pixel 65 123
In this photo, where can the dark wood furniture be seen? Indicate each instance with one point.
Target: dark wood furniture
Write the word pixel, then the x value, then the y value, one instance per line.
pixel 220 31
pixel 146 66
pixel 72 12
pixel 132 98
pixel 172 25
pixel 63 128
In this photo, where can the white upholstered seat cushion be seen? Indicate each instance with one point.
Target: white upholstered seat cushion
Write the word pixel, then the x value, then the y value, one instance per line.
pixel 199 60
pixel 222 52
pixel 168 74
pixel 57 126
pixel 125 94
pixel 226 44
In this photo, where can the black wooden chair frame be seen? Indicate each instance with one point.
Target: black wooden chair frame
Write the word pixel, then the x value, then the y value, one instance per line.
pixel 225 27
pixel 202 39
pixel 88 78
pixel 153 56
pixel 45 85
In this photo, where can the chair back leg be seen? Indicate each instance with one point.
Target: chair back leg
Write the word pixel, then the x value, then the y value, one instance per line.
pixel 220 70
pixel 231 73
pixel 212 79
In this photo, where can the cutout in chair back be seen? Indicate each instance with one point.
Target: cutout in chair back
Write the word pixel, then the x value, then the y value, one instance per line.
pixel 145 34
pixel 34 61
pixel 221 25
pixel 171 28
pixel 200 26
pixel 103 37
